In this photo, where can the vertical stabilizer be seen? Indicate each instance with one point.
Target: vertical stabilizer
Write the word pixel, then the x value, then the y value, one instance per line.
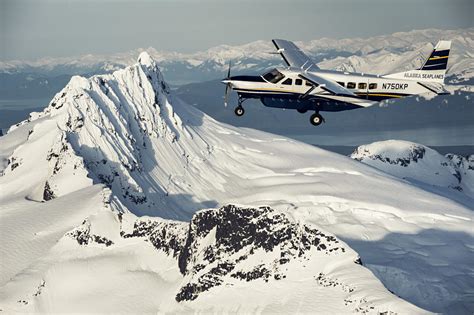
pixel 433 69
pixel 438 59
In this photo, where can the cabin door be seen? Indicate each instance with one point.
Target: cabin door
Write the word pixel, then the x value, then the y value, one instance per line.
pixel 364 88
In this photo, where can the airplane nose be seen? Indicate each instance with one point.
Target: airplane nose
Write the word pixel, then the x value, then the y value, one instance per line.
pixel 226 81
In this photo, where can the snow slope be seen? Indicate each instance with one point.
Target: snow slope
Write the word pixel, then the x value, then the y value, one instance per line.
pixel 420 164
pixel 154 155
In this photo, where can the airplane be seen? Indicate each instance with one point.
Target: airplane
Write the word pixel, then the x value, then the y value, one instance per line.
pixel 305 87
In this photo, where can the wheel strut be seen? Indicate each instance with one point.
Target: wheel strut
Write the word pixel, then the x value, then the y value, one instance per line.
pixel 239 110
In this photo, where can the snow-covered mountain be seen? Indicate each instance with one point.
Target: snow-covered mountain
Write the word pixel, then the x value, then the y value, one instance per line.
pixel 379 54
pixel 96 191
pixel 420 164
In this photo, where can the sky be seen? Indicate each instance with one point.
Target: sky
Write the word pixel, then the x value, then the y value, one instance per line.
pixel 31 29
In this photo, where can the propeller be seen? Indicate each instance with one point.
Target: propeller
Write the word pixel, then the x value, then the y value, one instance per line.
pixel 227 86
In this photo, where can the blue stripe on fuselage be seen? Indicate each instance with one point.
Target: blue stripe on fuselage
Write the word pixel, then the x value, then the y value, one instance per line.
pixel 249 78
pixel 291 100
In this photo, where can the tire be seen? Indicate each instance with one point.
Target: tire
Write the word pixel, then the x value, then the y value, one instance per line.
pixel 316 119
pixel 239 111
pixel 301 110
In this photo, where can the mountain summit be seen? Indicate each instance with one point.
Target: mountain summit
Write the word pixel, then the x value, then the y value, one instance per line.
pixel 89 187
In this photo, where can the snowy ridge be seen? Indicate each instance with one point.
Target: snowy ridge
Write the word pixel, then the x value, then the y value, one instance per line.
pixel 209 265
pixel 418 163
pixel 236 246
pixel 113 147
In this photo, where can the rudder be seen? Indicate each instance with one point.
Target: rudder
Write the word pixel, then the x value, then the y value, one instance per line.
pixel 438 60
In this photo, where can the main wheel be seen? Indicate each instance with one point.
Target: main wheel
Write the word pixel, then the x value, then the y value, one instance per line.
pixel 302 110
pixel 239 111
pixel 316 119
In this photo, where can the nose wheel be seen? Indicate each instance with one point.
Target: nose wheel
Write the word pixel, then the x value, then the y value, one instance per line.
pixel 316 119
pixel 239 111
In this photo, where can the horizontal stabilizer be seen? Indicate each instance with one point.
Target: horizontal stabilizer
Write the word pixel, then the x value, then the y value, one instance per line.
pixel 434 87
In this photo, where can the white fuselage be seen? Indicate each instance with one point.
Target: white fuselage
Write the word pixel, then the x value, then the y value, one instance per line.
pixel 369 88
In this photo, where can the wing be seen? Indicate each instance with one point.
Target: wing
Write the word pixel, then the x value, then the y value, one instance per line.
pixel 328 85
pixel 293 56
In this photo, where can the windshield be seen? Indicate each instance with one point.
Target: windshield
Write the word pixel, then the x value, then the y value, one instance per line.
pixel 273 76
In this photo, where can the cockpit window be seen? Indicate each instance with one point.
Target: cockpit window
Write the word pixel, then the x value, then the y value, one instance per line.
pixel 273 76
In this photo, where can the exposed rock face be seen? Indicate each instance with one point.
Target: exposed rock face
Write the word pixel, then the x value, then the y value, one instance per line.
pixel 219 246
pixel 48 193
pixel 83 235
pixel 168 236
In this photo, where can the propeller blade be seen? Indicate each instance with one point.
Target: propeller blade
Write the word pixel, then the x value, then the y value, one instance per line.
pixel 227 86
pixel 226 95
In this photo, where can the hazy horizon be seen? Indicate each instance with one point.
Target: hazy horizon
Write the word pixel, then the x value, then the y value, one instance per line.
pixel 50 28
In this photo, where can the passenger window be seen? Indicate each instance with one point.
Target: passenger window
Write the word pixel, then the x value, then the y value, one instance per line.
pixel 351 85
pixel 372 86
pixel 299 82
pixel 308 83
pixel 341 84
pixel 288 82
pixel 362 86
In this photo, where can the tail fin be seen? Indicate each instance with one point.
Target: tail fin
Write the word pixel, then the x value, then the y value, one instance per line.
pixel 433 69
pixel 438 59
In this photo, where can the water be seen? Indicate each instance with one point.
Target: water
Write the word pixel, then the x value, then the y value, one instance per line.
pixel 442 136
pixel 14 111
pixel 23 104
pixel 464 150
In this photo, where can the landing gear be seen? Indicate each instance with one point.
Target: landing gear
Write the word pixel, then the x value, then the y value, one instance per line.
pixel 316 119
pixel 239 110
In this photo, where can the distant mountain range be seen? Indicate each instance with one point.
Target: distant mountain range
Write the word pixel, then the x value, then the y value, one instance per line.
pixel 379 54
pixel 29 84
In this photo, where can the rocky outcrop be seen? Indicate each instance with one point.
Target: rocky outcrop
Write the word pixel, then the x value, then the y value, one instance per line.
pixel 218 246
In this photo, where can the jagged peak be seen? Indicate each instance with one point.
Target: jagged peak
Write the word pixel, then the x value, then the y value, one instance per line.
pixel 79 82
pixel 115 122
pixel 146 60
